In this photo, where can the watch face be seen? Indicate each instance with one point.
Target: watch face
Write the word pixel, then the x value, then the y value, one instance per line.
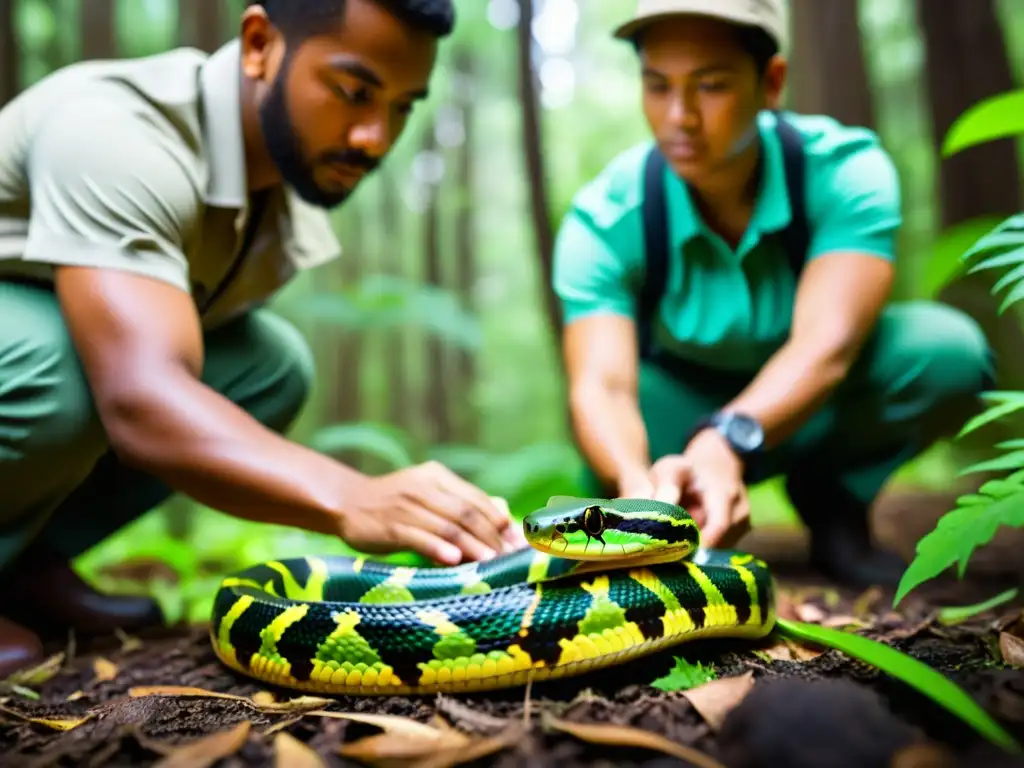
pixel 743 432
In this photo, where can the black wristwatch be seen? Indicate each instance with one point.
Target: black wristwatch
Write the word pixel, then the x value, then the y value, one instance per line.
pixel 744 434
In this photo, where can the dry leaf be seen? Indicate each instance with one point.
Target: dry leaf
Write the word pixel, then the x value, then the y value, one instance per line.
pixel 1011 648
pixel 478 748
pixel 104 669
pixel 129 643
pixel 787 649
pixel 38 674
pixel 206 751
pixel 263 698
pixel 627 736
pixel 810 613
pixel 472 719
pixel 866 601
pixel 75 696
pixel 298 704
pixel 288 722
pixel 716 699
pixel 387 723
pixel 402 739
pixel 56 723
pixel 840 621
pixel 289 752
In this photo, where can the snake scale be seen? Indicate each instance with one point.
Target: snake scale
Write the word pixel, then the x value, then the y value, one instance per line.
pixel 602 582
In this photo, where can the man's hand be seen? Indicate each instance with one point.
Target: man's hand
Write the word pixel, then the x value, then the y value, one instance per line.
pixel 707 481
pixel 431 510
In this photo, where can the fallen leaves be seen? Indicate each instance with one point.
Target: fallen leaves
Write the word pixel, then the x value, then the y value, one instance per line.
pixel 204 751
pixel 718 698
pixel 104 669
pixel 261 701
pixel 57 723
pixel 289 752
pixel 628 736
pixel 1011 648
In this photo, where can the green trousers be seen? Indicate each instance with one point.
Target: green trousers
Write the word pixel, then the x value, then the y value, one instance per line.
pixel 61 487
pixel 917 378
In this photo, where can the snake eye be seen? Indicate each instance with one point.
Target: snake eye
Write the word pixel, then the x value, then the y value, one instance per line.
pixel 560 528
pixel 593 521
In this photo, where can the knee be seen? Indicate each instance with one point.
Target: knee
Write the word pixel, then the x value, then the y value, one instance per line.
pixel 47 413
pixel 945 348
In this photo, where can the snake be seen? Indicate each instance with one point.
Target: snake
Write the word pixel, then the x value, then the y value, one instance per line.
pixel 600 582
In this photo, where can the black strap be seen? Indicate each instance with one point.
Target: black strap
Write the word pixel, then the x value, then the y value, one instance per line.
pixel 795 237
pixel 655 220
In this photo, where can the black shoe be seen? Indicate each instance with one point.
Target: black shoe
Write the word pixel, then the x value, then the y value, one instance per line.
pixel 841 545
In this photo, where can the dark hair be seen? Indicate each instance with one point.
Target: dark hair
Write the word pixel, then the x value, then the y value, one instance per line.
pixel 299 19
pixel 754 41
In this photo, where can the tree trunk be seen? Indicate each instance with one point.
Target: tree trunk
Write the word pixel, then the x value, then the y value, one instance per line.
pixel 437 412
pixel 10 53
pixel 465 368
pixel 828 72
pixel 967 62
pixel 99 29
pixel 201 24
pixel 543 227
pixel 396 373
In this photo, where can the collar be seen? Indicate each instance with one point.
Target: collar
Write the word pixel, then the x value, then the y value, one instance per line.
pixel 772 211
pixel 306 231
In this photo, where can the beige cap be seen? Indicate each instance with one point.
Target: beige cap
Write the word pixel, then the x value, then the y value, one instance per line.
pixel 770 15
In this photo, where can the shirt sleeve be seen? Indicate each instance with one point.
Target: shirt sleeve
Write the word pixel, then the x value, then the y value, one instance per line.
pixel 861 212
pixel 110 190
pixel 593 267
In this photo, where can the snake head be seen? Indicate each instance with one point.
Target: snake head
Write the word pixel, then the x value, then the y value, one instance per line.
pixel 594 530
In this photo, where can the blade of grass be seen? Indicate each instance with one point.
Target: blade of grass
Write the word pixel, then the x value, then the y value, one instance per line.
pixel 914 673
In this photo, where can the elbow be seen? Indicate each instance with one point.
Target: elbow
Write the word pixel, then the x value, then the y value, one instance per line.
pixel 130 417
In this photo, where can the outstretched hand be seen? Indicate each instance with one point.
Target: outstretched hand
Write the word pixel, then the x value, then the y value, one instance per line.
pixel 706 480
pixel 432 511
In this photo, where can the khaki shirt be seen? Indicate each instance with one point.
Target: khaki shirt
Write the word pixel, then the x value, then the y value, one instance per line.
pixel 138 165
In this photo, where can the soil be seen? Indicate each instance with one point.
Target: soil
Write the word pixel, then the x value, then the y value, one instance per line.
pixel 804 708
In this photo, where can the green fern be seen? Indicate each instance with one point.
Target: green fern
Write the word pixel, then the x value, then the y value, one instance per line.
pixel 970 525
pixel 1001 248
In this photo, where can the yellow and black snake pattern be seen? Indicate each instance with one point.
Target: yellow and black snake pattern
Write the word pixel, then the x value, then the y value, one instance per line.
pixel 602 582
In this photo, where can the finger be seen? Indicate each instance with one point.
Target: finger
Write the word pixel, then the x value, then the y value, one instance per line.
pixel 719 510
pixel 671 475
pixel 464 525
pixel 740 525
pixel 427 544
pixel 429 511
pixel 472 496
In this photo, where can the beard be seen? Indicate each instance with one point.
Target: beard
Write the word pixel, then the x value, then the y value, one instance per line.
pixel 286 152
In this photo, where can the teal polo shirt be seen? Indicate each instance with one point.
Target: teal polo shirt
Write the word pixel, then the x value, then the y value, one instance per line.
pixel 723 308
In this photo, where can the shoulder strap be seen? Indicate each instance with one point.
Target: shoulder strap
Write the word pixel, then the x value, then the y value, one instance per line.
pixel 796 238
pixel 655 222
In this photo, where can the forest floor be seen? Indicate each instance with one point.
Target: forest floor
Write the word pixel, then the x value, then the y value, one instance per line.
pixel 163 699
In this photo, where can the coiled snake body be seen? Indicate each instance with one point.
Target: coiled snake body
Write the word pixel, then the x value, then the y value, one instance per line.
pixel 603 582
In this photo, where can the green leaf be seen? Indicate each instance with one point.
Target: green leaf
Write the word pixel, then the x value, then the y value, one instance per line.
pixel 960 531
pixel 685 676
pixel 959 613
pixel 1010 445
pixel 996 117
pixel 1013 460
pixel 906 668
pixel 378 440
pixel 1008 258
pixel 1005 408
pixel 944 263
pixel 1011 298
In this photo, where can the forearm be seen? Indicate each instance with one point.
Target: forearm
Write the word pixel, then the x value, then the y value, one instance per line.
pixel 202 444
pixel 792 385
pixel 611 432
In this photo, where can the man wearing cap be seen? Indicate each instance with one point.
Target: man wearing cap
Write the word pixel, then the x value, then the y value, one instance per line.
pixel 725 294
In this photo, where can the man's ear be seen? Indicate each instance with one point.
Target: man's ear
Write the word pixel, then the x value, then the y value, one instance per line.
pixel 262 44
pixel 774 81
